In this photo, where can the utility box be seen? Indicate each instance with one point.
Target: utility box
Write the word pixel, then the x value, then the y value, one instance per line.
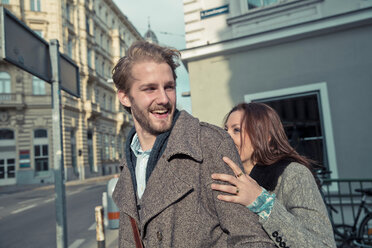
pixel 112 210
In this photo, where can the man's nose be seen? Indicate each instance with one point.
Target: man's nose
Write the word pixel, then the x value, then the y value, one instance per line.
pixel 162 97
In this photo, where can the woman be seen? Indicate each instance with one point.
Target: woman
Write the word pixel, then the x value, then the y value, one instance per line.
pixel 277 184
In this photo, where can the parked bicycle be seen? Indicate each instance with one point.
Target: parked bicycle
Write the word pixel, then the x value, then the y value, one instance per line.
pixel 359 234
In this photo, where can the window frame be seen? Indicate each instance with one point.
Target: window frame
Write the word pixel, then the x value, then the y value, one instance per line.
pixel 41 143
pixel 324 113
pixel 35 5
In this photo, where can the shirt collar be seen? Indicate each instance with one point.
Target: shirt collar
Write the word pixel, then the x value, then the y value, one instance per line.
pixel 136 147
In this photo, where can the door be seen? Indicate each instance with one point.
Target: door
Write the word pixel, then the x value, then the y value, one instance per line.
pixel 7 169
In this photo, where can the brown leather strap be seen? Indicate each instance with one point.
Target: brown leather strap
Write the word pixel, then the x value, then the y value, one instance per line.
pixel 136 234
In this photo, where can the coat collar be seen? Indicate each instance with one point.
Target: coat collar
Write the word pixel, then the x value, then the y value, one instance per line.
pixel 267 175
pixel 185 138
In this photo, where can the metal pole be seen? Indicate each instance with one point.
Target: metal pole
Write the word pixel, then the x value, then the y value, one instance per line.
pixel 59 181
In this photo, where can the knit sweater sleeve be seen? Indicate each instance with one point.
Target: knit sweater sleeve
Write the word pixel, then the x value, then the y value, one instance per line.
pixel 299 217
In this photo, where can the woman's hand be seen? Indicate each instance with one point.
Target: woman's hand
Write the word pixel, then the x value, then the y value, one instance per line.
pixel 242 189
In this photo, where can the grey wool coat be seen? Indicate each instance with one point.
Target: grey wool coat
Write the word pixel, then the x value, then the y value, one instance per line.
pixel 178 207
pixel 299 218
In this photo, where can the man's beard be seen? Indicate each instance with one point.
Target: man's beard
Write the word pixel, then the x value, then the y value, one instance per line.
pixel 143 118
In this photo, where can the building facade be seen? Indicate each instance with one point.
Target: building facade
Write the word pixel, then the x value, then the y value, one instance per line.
pixel 308 59
pixel 94 34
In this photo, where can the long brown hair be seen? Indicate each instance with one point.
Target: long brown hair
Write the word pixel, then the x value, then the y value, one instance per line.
pixel 266 132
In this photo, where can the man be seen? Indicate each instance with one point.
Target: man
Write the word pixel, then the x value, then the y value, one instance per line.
pixel 164 192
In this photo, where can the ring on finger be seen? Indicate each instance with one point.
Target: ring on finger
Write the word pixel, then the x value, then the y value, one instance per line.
pixel 240 174
pixel 237 190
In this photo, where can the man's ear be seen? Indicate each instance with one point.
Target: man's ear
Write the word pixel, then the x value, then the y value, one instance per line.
pixel 124 99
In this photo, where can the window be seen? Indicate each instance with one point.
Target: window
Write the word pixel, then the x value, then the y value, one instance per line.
pixel 68 12
pixel 6 134
pixel 103 68
pixel 73 152
pixel 252 4
pixel 110 104
pixel 304 111
pixel 89 57
pixel 104 101
pixel 4 82
pixel 38 86
pixel 90 151
pixel 39 32
pixel 96 67
pixel 106 147
pixel 96 95
pixel 35 5
pixel 69 47
pixel 41 147
pixel 87 25
pixel 113 148
pixel 5 1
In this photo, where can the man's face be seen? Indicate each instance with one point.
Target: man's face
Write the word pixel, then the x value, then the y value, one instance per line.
pixel 152 97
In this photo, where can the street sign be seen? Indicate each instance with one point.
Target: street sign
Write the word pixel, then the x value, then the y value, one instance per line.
pixel 23 47
pixel 27 50
pixel 70 80
pixel 215 11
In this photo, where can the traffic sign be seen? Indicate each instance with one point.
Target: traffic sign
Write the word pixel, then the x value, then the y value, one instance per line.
pixel 25 49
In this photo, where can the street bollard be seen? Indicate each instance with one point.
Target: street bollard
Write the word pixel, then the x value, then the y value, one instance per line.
pixel 104 204
pixel 100 229
pixel 112 209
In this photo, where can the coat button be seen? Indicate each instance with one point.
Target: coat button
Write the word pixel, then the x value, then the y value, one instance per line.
pixel 275 234
pixel 282 244
pixel 159 235
pixel 278 239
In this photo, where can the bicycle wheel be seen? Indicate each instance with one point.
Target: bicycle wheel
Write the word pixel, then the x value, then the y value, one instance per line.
pixel 344 236
pixel 365 231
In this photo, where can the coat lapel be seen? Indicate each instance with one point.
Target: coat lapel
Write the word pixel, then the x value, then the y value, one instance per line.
pixel 168 183
pixel 124 194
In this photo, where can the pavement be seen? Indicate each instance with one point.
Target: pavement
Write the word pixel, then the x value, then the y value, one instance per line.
pixel 111 235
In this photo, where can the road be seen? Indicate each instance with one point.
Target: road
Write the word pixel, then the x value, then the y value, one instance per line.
pixel 27 216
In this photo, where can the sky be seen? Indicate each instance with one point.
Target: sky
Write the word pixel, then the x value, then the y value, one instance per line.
pixel 166 20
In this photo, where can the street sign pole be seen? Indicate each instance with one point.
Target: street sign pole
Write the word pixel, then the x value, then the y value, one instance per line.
pixel 59 179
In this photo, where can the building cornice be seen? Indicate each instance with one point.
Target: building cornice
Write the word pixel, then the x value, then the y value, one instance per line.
pixel 285 34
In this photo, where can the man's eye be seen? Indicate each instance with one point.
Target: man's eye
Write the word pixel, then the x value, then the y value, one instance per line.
pixel 149 89
pixel 170 87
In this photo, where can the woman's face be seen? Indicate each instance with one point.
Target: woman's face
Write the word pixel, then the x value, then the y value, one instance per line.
pixel 242 141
